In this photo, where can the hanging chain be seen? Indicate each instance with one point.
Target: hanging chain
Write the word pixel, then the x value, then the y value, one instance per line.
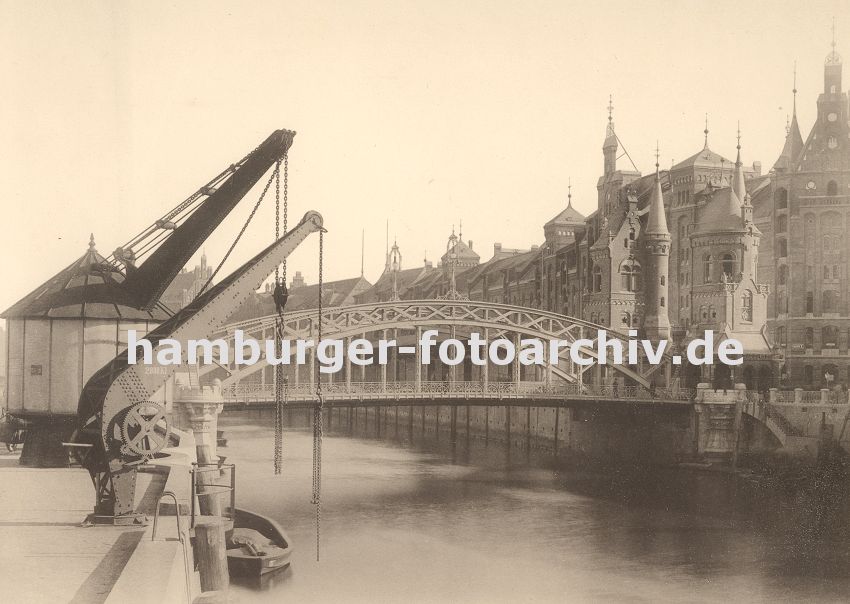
pixel 278 370
pixel 317 410
pixel 281 383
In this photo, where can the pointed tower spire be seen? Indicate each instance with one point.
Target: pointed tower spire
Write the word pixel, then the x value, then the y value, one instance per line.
pixel 92 247
pixel 657 223
pixel 569 192
pixel 706 132
pixel 656 321
pixel 609 147
pixel 793 138
pixel 738 185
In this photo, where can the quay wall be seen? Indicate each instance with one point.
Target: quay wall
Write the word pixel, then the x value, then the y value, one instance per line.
pixel 647 434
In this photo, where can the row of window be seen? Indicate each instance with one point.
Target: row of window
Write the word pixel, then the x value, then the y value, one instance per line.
pixel 828 336
pixel 830 302
pixel 780 196
pixel 809 375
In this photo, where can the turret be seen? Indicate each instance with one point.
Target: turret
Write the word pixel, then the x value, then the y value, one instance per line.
pixel 656 322
pixel 793 138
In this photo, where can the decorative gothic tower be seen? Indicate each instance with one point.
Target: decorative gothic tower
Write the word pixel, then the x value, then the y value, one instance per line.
pixel 656 321
pixel 394 263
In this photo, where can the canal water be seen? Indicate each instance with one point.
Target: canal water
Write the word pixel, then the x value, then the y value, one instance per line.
pixel 432 522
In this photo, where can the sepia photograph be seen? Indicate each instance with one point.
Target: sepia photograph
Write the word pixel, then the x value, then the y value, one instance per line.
pixel 431 302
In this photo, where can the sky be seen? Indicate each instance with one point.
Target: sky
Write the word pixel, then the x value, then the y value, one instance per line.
pixel 422 114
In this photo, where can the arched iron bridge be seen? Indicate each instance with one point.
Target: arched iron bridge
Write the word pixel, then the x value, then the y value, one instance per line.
pixel 459 318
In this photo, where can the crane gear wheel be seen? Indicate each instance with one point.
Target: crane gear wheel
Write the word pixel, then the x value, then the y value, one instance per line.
pixel 145 430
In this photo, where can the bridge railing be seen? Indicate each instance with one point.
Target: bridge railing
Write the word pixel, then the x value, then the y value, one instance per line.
pixel 256 392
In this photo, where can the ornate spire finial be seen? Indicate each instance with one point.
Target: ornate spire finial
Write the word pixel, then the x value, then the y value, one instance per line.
pixel 657 157
pixel 460 230
pixel 91 243
pixel 706 131
pixel 833 34
pixel 787 124
pixel 610 108
pixel 738 161
pixel 569 192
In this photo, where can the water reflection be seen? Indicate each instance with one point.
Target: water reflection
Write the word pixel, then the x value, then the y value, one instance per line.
pixel 437 523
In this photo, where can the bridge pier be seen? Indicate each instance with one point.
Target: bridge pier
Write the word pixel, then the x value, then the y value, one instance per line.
pixel 717 418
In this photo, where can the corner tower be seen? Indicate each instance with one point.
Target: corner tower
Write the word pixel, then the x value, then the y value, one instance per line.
pixel 656 321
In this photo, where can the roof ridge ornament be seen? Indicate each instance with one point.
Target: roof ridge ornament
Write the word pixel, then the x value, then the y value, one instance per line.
pixel 706 132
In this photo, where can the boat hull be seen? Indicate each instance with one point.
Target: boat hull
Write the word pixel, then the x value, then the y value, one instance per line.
pixel 243 564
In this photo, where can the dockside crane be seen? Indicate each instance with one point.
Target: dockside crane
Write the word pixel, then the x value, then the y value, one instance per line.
pixel 119 425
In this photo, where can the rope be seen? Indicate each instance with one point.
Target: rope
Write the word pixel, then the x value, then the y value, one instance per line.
pixel 317 410
pixel 239 236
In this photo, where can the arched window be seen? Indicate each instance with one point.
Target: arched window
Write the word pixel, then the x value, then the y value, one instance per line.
pixel 826 272
pixel 808 374
pixel 810 302
pixel 783 248
pixel 809 338
pixel 836 272
pixel 747 305
pixel 830 301
pixel 829 335
pixel 597 279
pixel 782 276
pixel 780 198
pixel 630 272
pixel 782 224
pixel 832 188
pixel 728 264
pixel 706 268
pixel 662 302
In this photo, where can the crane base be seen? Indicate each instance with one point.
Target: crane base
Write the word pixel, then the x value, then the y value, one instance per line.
pixel 125 520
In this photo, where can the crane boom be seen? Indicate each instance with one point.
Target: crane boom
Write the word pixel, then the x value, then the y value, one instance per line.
pixel 118 390
pixel 144 284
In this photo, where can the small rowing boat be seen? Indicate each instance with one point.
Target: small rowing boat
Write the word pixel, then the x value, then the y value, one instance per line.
pixel 256 546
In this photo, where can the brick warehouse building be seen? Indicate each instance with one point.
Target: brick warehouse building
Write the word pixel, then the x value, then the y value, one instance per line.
pixel 709 244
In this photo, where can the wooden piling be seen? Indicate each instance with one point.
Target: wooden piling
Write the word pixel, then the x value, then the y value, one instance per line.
pixel 210 550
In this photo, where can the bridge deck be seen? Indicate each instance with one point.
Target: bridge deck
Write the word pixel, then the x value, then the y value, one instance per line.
pixel 528 394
